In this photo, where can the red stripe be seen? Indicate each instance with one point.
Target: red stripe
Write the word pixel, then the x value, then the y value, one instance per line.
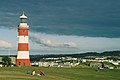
pixel 23 32
pixel 23 47
pixel 23 62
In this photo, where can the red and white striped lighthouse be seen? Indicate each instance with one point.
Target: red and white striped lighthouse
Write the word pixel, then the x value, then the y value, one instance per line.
pixel 23 43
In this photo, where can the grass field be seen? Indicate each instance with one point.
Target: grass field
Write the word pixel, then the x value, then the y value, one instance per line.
pixel 19 73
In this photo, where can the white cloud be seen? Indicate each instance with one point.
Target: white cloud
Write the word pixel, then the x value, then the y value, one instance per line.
pixel 5 44
pixel 80 43
pixel 49 43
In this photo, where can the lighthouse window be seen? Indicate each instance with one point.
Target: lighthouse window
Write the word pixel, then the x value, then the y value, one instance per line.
pixel 24 63
pixel 23 20
pixel 24 30
pixel 19 63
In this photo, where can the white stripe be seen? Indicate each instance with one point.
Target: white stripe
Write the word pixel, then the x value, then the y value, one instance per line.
pixel 23 25
pixel 23 55
pixel 22 39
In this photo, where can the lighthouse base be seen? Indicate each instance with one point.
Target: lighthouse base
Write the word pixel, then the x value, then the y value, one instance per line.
pixel 23 62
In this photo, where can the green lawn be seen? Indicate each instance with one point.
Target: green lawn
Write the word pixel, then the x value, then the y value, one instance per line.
pixel 19 73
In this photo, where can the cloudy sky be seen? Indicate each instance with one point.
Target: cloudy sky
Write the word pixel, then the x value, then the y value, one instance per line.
pixel 62 26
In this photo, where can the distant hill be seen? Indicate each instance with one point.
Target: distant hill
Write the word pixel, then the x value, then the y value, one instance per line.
pixel 107 53
pixel 79 55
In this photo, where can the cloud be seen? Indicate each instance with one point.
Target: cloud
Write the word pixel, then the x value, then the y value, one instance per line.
pixel 91 18
pixel 49 43
pixel 5 44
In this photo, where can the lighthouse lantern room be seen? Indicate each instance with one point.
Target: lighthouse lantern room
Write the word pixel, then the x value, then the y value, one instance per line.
pixel 23 43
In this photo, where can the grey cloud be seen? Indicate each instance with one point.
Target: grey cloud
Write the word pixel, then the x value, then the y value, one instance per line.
pixel 92 18
pixel 49 43
pixel 5 44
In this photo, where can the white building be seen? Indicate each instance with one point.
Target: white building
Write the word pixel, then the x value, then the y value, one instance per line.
pixel 48 64
pixel 115 63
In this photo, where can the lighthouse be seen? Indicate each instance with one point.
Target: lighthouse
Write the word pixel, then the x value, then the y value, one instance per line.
pixel 23 42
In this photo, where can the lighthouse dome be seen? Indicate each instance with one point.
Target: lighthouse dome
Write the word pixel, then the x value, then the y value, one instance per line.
pixel 23 16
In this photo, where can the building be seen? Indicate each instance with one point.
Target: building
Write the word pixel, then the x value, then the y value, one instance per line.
pixel 23 43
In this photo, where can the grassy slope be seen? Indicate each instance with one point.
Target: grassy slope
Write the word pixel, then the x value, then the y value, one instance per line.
pixel 19 73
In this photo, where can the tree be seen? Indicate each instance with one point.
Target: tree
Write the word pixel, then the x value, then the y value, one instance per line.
pixel 103 65
pixel 6 60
